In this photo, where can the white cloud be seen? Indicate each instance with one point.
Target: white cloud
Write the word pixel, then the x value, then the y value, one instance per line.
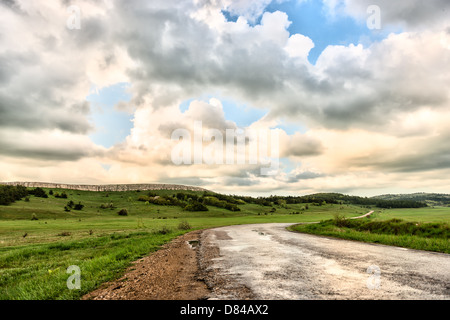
pixel 299 46
pixel 367 109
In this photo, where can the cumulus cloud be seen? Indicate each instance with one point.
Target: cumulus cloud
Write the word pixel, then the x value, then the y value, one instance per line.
pixel 358 103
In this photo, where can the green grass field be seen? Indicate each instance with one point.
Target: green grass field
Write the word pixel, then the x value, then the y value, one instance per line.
pixel 35 254
pixel 421 229
pixel 430 214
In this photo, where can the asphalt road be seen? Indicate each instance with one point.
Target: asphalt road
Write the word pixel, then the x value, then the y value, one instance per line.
pixel 276 264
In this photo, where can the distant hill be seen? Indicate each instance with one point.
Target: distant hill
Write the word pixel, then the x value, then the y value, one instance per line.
pixel 432 199
pixel 110 187
pixel 335 198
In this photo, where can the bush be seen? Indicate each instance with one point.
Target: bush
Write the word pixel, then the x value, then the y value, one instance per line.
pixel 196 206
pixel 63 195
pixel 107 206
pixel 10 194
pixel 164 230
pixel 123 212
pixel 340 220
pixel 38 192
pixel 78 206
pixel 34 217
pixel 184 225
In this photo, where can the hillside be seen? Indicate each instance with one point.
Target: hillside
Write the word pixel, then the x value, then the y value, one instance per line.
pixel 432 199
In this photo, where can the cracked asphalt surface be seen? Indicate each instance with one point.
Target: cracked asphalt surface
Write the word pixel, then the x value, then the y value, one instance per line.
pixel 272 263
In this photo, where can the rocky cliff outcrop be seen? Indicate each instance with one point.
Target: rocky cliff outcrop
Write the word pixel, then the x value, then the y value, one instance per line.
pixel 110 187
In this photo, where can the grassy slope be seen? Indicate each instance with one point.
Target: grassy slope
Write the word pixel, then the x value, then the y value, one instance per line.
pixel 421 229
pixel 104 244
pixel 34 255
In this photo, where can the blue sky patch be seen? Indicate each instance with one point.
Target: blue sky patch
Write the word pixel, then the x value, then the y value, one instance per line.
pixel 112 125
pixel 311 18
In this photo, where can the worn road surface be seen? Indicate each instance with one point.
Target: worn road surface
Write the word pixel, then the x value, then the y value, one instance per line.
pixel 275 264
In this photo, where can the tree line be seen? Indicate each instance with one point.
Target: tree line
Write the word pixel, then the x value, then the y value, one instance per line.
pixel 194 202
pixel 11 194
pixel 334 198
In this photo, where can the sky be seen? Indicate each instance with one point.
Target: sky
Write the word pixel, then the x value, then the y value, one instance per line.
pixel 348 96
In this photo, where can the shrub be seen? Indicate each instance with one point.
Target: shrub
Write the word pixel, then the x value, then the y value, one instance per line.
pixel 184 225
pixel 164 230
pixel 34 217
pixel 63 195
pixel 340 220
pixel 123 212
pixel 196 206
pixel 38 192
pixel 107 206
pixel 78 206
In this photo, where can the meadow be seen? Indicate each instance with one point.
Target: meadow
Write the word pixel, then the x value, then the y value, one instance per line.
pixel 39 240
pixel 420 229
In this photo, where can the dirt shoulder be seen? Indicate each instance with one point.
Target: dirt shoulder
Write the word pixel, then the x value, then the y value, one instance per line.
pixel 171 273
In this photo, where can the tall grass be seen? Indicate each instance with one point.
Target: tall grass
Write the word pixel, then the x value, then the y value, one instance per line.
pixel 396 232
pixel 38 272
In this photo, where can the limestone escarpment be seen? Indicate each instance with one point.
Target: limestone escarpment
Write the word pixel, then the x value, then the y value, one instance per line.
pixel 109 187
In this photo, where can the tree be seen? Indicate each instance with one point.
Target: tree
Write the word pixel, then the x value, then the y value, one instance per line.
pixel 78 206
pixel 10 194
pixel 196 206
pixel 38 192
